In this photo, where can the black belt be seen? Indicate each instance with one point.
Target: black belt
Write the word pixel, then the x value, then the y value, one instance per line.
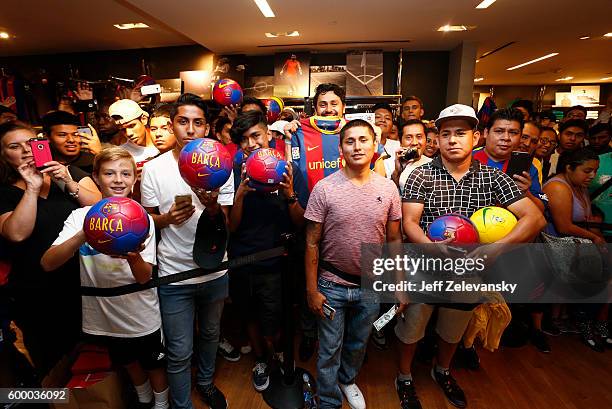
pixel 185 275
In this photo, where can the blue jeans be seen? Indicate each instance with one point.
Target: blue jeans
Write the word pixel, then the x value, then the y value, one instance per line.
pixel 341 352
pixel 179 305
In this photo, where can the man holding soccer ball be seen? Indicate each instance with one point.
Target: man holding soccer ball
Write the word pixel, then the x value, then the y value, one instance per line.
pixel 446 185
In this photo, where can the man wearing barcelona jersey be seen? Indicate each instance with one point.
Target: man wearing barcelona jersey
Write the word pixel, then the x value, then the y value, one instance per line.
pixel 315 140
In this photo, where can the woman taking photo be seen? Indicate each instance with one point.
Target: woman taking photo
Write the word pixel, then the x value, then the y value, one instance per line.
pixel 33 206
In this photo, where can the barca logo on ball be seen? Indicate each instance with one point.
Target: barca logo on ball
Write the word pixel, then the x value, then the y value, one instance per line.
pixel 454 226
pixel 110 208
pixel 227 92
pixel 265 168
pixel 205 163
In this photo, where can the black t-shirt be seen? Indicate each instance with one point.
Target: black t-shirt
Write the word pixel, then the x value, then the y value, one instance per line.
pixel 77 173
pixel 51 213
pixel 265 217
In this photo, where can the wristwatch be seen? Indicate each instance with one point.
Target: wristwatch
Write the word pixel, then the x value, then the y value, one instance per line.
pixel 292 199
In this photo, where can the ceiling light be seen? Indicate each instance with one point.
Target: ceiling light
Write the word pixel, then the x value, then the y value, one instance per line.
pixel 265 9
pixel 564 79
pixel 448 28
pixel 485 3
pixel 605 79
pixel 130 26
pixel 477 61
pixel 584 38
pixel 532 61
pixel 608 35
pixel 4 35
pixel 283 34
pixel 478 79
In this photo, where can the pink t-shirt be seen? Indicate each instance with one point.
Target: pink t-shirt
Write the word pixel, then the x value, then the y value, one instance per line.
pixel 351 215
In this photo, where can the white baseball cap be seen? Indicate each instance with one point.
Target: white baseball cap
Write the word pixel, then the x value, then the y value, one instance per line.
pixel 127 110
pixel 458 111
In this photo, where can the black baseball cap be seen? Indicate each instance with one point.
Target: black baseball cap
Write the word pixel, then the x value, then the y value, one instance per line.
pixel 210 241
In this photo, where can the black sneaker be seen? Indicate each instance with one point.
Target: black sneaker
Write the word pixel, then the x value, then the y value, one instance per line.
pixel 550 327
pixel 539 340
pixel 603 330
pixel 452 391
pixel 589 337
pixel 144 405
pixel 407 394
pixel 379 340
pixel 212 396
pixel 467 357
pixel 261 377
pixel 227 351
pixel 307 348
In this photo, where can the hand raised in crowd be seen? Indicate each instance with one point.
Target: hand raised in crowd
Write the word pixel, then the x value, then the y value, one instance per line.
pixel 91 143
pixel 290 128
pixel 57 171
pixel 136 95
pixel 315 302
pixel 31 176
pixel 83 91
pixel 180 213
pixel 287 183
pixel 231 112
pixel 523 181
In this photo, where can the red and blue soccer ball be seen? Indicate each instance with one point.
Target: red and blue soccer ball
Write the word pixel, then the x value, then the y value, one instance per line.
pixel 116 226
pixel 274 107
pixel 454 225
pixel 205 163
pixel 265 168
pixel 227 92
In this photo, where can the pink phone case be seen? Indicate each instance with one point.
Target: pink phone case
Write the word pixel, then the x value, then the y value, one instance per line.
pixel 41 152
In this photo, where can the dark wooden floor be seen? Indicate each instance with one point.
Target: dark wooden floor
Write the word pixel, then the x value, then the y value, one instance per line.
pixel 571 377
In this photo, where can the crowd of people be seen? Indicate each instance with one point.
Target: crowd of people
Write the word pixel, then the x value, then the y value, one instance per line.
pixel 346 183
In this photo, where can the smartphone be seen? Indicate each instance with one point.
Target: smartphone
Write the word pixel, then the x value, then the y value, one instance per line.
pixel 519 162
pixel 150 89
pixel 329 311
pixel 85 130
pixel 180 199
pixel 41 152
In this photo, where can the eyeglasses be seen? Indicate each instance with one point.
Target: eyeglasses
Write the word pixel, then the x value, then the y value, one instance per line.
pixel 550 142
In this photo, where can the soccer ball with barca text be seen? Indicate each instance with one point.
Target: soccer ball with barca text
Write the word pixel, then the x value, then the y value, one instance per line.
pixel 116 226
pixel 205 163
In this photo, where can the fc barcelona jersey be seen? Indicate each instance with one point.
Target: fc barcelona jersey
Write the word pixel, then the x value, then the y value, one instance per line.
pixel 314 148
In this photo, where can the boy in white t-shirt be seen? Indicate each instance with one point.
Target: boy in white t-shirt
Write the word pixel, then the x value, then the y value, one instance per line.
pixel 129 325
pixel 200 298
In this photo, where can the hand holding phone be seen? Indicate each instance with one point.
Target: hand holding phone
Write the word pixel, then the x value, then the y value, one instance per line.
pixel 329 311
pixel 182 200
pixel 518 163
pixel 41 152
pixel 89 139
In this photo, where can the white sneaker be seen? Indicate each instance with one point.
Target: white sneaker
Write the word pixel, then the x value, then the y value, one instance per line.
pixel 353 395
